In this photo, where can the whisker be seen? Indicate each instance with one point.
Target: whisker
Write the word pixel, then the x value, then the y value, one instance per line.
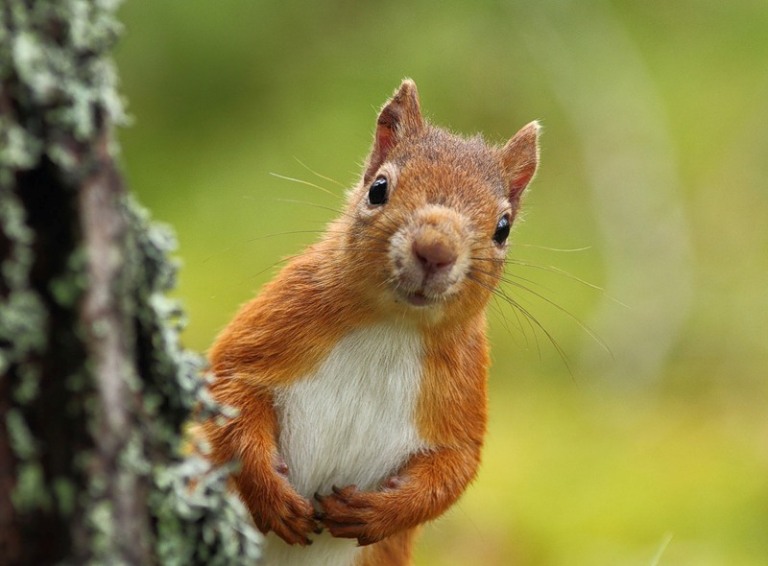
pixel 319 231
pixel 272 266
pixel 337 211
pixel 532 321
pixel 591 333
pixel 504 278
pixel 334 181
pixel 501 312
pixel 219 253
pixel 518 309
pixel 558 271
pixel 392 223
pixel 551 249
pixel 519 323
pixel 305 252
pixel 286 233
pixel 555 270
pixel 303 182
pixel 310 203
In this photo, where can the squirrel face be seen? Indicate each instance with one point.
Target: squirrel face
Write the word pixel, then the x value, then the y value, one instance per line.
pixel 426 229
pixel 437 211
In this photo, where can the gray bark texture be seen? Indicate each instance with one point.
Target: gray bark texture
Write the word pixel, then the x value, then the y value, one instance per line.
pixel 94 386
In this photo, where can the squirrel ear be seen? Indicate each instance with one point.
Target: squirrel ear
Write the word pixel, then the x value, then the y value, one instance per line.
pixel 399 118
pixel 520 157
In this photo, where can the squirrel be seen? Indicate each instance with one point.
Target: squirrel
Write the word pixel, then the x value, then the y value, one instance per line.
pixel 359 373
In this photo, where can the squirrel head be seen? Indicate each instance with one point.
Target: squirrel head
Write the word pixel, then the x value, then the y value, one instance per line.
pixel 426 228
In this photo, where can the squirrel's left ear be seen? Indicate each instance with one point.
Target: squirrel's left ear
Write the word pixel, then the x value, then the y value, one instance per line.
pixel 520 157
pixel 399 118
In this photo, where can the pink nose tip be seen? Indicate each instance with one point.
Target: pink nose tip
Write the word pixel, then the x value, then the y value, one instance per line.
pixel 434 256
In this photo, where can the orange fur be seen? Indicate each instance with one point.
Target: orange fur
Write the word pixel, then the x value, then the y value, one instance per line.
pixel 449 191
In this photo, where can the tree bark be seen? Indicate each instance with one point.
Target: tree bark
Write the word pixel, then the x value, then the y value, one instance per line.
pixel 94 387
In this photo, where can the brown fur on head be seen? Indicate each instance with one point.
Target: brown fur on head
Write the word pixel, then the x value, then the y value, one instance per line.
pixel 425 249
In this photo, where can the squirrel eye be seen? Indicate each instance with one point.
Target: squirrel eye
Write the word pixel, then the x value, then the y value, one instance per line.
pixel 377 194
pixel 502 230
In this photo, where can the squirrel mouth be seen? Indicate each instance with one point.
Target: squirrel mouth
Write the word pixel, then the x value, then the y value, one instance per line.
pixel 421 296
pixel 418 299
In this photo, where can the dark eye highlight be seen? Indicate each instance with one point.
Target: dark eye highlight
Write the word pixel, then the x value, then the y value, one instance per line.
pixel 377 194
pixel 502 230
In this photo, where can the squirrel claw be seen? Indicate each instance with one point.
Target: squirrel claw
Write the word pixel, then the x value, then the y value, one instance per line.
pixel 344 493
pixel 291 519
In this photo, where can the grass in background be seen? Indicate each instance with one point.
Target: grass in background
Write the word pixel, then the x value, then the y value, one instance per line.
pixel 580 477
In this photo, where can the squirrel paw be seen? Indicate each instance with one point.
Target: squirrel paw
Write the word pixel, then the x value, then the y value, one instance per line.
pixel 296 523
pixel 291 517
pixel 280 509
pixel 349 513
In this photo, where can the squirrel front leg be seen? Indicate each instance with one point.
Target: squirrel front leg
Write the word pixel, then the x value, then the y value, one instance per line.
pixel 262 479
pixel 423 489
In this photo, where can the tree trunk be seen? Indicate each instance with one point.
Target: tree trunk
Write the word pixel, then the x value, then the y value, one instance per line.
pixel 94 387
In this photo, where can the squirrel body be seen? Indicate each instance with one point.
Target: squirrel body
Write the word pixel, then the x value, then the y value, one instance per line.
pixel 359 373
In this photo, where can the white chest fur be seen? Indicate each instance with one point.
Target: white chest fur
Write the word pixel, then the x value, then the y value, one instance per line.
pixel 349 422
pixel 352 421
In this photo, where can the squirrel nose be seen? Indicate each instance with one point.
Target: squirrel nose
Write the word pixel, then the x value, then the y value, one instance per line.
pixel 434 256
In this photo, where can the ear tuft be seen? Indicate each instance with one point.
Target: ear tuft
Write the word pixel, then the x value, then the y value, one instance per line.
pixel 399 118
pixel 520 158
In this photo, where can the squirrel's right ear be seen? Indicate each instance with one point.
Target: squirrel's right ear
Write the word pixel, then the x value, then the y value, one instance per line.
pixel 399 118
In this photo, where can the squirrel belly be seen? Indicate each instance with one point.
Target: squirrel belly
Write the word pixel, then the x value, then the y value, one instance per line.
pixel 352 421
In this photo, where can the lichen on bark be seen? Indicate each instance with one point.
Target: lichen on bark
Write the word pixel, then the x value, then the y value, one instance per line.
pixel 94 385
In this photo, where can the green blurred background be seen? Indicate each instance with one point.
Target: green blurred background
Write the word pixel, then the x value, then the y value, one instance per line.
pixel 652 187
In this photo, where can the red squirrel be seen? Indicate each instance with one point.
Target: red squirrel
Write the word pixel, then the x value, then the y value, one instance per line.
pixel 359 373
